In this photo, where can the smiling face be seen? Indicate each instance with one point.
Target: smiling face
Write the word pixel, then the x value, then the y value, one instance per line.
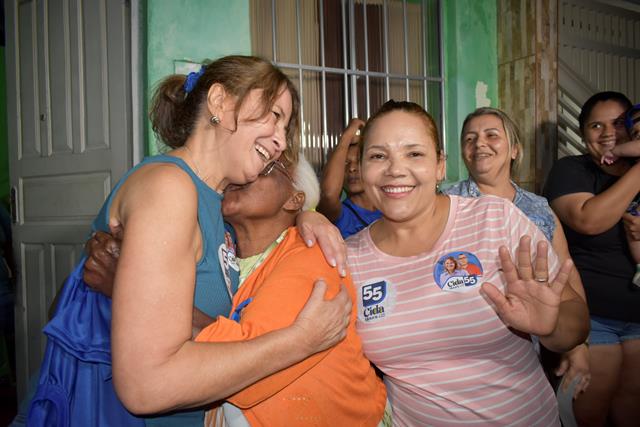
pixel 604 128
pixel 255 141
pixel 486 149
pixel 400 166
pixel 449 265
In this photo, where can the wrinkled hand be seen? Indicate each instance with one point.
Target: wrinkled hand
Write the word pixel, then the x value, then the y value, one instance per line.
pixel 575 364
pixel 103 251
pixel 314 227
pixel 323 323
pixel 528 305
pixel 631 226
pixel 608 158
pixel 350 134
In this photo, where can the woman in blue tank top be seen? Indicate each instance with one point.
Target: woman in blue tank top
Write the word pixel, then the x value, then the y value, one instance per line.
pixel 224 123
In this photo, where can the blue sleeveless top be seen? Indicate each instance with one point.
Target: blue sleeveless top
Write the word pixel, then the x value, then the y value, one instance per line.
pixel 217 272
pixel 75 385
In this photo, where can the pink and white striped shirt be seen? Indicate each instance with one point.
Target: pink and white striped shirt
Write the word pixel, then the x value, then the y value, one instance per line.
pixel 447 357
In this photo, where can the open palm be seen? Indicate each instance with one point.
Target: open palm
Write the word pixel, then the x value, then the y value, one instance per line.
pixel 531 300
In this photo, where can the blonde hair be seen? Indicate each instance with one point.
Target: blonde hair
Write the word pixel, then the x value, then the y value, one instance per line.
pixel 510 129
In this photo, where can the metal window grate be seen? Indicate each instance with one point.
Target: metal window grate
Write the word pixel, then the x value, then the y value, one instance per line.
pixel 347 57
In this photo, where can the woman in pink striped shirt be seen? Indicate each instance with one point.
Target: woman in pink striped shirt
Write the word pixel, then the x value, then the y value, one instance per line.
pixel 453 351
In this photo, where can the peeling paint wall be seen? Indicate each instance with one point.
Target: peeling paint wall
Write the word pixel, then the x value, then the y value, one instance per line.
pixel 191 30
pixel 528 76
pixel 471 69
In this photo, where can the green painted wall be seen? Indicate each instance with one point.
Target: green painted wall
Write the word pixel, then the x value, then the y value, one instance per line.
pixel 4 143
pixel 471 69
pixel 191 30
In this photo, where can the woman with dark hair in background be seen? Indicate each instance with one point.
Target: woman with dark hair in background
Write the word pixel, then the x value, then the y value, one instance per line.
pixel 590 198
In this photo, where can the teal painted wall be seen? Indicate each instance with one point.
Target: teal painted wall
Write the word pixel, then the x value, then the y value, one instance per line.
pixel 191 30
pixel 4 142
pixel 471 69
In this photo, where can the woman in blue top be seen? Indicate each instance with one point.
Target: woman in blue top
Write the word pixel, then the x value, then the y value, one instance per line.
pixel 491 150
pixel 224 123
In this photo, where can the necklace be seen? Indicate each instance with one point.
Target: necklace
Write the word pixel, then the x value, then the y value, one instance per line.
pixel 195 164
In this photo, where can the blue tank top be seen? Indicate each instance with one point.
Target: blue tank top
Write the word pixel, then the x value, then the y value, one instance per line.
pixel 75 378
pixel 217 272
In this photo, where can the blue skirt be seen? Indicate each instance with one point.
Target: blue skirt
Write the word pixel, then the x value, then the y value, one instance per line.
pixel 75 385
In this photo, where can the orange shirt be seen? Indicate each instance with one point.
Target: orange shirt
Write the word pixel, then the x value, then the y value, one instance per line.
pixel 337 387
pixel 473 269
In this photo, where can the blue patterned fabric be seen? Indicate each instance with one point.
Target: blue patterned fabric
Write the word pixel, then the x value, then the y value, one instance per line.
pixel 535 207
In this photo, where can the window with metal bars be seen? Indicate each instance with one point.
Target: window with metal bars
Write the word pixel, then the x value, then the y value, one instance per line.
pixel 347 57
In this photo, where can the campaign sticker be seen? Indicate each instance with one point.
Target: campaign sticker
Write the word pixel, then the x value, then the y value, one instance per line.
pixel 376 299
pixel 458 271
pixel 228 261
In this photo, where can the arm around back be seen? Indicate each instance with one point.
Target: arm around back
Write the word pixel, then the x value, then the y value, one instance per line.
pixel 156 367
pixel 278 291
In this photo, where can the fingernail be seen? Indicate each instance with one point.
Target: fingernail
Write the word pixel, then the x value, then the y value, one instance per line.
pixel 309 243
pixel 332 262
pixel 343 272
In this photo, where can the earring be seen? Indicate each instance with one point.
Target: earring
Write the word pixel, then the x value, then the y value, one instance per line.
pixel 214 120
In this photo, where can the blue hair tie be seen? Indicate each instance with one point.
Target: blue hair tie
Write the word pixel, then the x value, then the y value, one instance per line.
pixel 192 80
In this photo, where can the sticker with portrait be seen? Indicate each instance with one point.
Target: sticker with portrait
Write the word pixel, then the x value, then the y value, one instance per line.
pixel 458 271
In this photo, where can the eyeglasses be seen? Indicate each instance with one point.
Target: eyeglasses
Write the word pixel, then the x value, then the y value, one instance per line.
pixel 276 164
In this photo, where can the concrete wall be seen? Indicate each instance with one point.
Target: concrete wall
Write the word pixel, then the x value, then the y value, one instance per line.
pixel 471 69
pixel 191 30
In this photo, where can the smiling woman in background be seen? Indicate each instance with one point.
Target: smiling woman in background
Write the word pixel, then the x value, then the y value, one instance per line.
pixel 590 199
pixel 492 151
